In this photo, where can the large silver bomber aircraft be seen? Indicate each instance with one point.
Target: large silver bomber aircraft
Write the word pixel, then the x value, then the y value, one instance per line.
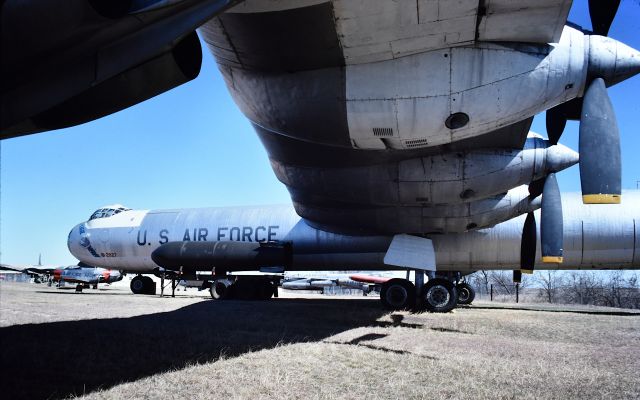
pixel 406 120
pixel 275 239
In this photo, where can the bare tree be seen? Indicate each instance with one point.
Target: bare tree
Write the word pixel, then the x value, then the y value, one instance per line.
pixel 480 281
pixel 502 280
pixel 550 281
pixel 582 287
pixel 619 291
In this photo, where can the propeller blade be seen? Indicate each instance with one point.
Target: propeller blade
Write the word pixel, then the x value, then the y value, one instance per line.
pixel 517 276
pixel 602 13
pixel 535 188
pixel 551 229
pixel 556 121
pixel 600 167
pixel 528 244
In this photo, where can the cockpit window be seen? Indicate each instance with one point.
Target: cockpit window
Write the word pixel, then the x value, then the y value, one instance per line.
pixel 108 211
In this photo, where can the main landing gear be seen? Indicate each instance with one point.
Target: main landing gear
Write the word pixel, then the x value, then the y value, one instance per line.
pixel 439 294
pixel 466 293
pixel 143 285
pixel 244 287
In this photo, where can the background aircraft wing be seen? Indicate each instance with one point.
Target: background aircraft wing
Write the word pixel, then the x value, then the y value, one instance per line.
pixel 38 270
pixel 369 278
pixel 33 271
pixel 6 267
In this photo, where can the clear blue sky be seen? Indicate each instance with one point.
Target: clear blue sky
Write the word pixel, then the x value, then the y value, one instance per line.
pixel 191 147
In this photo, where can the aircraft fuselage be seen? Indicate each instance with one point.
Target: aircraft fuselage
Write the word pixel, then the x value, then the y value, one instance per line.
pixel 599 237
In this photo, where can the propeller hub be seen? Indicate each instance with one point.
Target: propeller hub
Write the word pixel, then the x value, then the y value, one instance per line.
pixel 560 157
pixel 611 60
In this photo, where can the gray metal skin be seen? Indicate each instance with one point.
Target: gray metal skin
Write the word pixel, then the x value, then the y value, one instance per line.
pixel 595 237
pixel 364 138
pixel 380 117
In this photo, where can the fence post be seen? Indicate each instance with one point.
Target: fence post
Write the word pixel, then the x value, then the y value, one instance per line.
pixel 517 292
pixel 492 292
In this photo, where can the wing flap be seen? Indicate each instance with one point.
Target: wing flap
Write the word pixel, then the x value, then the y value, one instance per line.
pixel 523 20
pixel 381 30
pixel 411 252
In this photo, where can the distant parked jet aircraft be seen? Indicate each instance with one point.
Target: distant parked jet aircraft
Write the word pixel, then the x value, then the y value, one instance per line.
pixel 81 274
pixel 321 281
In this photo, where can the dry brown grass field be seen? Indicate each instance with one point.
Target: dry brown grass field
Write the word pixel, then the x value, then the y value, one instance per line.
pixel 110 344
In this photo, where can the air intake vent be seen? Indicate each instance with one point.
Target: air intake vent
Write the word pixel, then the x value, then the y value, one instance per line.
pixel 415 143
pixel 382 132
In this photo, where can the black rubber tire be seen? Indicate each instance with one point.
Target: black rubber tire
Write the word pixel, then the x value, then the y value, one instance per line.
pixel 466 293
pixel 149 285
pixel 244 289
pixel 266 290
pixel 138 285
pixel 440 295
pixel 398 294
pixel 220 290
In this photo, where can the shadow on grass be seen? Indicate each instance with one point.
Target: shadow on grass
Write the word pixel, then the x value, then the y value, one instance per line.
pixel 108 292
pixel 616 313
pixel 60 359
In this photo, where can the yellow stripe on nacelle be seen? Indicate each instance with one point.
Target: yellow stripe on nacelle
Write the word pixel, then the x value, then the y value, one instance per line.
pixel 552 259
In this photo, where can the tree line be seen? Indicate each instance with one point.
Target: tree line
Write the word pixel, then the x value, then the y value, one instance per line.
pixel 598 288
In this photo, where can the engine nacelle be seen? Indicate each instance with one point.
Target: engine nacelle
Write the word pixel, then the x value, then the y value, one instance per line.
pixel 449 178
pixel 421 220
pixel 416 101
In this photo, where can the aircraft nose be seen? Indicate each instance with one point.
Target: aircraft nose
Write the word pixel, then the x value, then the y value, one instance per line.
pixel 74 241
pixel 559 157
pixel 611 60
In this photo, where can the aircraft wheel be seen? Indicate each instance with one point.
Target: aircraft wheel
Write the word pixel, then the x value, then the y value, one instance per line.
pixel 149 285
pixel 398 294
pixel 466 294
pixel 440 295
pixel 220 290
pixel 138 285
pixel 266 290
